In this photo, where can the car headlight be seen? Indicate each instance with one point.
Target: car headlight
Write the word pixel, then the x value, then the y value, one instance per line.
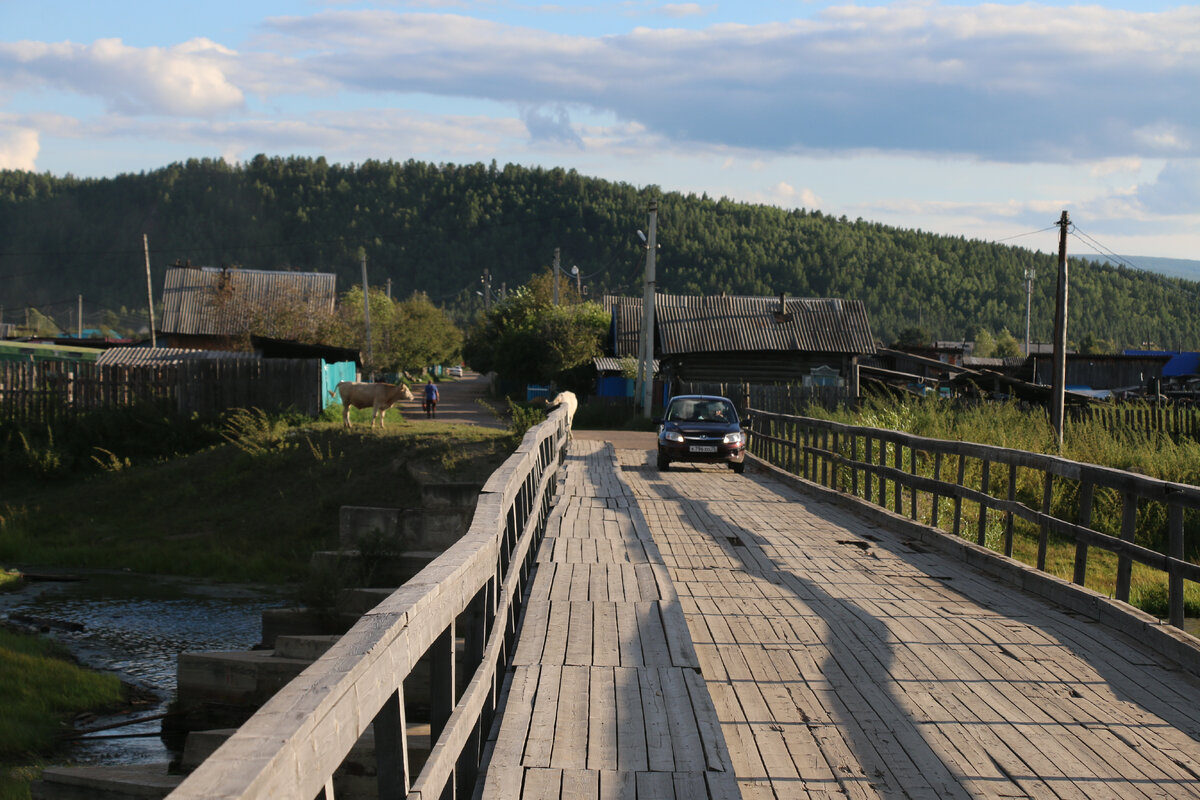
pixel 672 436
pixel 737 437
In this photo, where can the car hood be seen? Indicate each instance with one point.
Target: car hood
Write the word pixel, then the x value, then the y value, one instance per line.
pixel 702 428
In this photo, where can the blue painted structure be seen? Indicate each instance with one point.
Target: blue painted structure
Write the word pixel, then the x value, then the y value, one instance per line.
pixel 331 376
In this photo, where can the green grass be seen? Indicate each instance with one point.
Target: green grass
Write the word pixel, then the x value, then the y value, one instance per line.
pixel 251 509
pixel 39 690
pixel 9 579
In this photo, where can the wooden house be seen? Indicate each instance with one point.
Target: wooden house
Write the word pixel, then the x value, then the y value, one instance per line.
pixel 207 308
pixel 816 342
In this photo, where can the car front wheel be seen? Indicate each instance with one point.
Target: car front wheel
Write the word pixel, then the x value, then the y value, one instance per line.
pixel 738 466
pixel 663 464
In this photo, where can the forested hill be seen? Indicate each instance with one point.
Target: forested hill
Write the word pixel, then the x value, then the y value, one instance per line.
pixel 435 228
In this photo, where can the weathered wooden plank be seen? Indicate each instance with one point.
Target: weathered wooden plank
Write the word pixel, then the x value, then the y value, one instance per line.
pixel 601 720
pixel 542 784
pixel 571 729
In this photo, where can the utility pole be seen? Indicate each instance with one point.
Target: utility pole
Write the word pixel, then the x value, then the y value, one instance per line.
pixel 1030 274
pixel 487 289
pixel 389 288
pixel 578 282
pixel 648 314
pixel 1059 373
pixel 79 327
pixel 149 290
pixel 557 269
pixel 367 314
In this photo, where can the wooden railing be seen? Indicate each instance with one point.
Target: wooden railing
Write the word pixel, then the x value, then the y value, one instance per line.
pixel 991 488
pixel 293 745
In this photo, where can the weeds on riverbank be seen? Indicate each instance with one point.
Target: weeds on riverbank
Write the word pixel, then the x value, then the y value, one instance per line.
pixel 1008 425
pixel 253 508
pixel 39 687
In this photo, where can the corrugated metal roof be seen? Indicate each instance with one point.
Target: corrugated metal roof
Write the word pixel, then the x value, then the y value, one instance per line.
pixel 161 356
pixel 208 301
pixel 627 317
pixel 608 364
pixel 689 324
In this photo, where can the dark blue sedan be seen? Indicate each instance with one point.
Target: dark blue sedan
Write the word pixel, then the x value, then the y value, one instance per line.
pixel 700 428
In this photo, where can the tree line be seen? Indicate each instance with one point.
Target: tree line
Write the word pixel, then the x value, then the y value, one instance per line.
pixel 435 228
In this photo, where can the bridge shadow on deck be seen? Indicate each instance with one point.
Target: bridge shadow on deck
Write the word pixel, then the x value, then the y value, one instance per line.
pixel 933 680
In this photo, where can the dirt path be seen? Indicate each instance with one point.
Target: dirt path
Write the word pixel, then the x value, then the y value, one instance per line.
pixel 458 403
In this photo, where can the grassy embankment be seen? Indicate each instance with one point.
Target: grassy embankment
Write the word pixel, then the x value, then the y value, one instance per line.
pixel 1007 425
pixel 249 499
pixel 252 508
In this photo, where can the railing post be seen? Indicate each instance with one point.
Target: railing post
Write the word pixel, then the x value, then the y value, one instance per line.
pixel 883 460
pixel 898 463
pixel 391 748
pixel 854 464
pixel 1086 490
pixel 912 469
pixel 442 691
pixel 962 474
pixel 1044 530
pixel 797 436
pixel 1128 529
pixel 868 477
pixel 1175 551
pixel 984 481
pixel 937 477
pixel 825 457
pixel 1008 520
pixel 837 463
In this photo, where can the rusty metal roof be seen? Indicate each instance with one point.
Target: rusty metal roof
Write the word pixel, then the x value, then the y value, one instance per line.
pixel 209 301
pixel 722 323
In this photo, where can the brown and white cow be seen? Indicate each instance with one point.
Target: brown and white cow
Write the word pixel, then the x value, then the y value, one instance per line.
pixel 379 396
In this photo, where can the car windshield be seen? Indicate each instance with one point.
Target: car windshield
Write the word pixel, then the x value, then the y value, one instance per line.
pixel 700 410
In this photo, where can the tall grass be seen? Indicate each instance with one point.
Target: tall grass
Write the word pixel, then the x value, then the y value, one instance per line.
pixel 1010 425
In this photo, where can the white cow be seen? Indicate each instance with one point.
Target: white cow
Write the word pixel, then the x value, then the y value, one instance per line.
pixel 567 399
pixel 379 396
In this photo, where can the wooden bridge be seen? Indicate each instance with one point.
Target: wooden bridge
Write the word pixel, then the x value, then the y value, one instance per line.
pixel 699 634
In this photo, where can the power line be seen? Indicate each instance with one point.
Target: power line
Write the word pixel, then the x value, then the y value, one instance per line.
pixel 1101 249
pixel 1029 233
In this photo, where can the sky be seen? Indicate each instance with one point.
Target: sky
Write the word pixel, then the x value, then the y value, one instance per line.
pixel 982 120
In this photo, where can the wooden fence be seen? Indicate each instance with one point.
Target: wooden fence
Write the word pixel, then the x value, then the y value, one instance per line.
pixel 1175 420
pixel 42 391
pixel 782 398
pixel 295 742
pixel 994 487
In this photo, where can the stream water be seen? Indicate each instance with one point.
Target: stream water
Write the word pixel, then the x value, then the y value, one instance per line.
pixel 136 626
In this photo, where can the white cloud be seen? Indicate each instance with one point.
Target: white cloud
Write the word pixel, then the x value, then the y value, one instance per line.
pixel 684 9
pixel 1175 191
pixel 1016 83
pixel 188 79
pixel 18 148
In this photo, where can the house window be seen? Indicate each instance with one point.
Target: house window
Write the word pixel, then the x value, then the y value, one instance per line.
pixel 824 376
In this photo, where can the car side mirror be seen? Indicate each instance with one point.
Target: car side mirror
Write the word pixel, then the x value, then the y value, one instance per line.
pixel 657 420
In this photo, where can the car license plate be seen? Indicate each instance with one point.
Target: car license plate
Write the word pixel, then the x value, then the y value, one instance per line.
pixel 702 448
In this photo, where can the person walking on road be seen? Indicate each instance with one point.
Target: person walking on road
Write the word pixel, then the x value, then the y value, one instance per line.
pixel 431 399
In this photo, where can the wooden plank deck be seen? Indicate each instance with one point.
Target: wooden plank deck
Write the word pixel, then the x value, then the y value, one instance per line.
pixel 604 698
pixel 837 660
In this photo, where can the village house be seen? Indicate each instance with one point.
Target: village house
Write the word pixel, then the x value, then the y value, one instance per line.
pixel 209 308
pixel 814 342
